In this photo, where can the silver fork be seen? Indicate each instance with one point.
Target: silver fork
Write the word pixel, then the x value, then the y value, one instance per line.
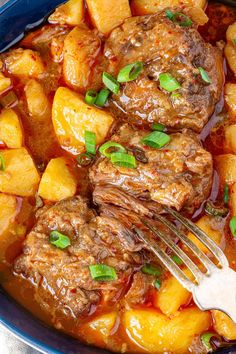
pixel 215 289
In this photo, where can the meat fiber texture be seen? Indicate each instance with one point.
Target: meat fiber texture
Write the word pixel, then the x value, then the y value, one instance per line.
pixel 165 47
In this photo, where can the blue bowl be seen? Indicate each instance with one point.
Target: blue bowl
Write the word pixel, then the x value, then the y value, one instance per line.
pixel 16 16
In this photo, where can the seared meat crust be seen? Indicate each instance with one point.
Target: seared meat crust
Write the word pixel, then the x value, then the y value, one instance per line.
pixel 178 175
pixel 165 47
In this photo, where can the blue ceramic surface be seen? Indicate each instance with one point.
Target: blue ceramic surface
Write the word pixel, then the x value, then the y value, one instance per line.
pixel 16 16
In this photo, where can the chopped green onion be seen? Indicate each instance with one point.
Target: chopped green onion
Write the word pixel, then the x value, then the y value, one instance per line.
pixel 102 272
pixel 90 142
pixel 214 210
pixel 157 284
pixel 158 126
pixel 110 147
pixel 179 18
pixel 90 97
pixel 111 83
pixel 175 95
pixel 151 270
pixel 85 159
pixel 130 72
pixel 226 194
pixel 234 41
pixel 204 75
pixel 177 260
pixel 168 82
pixel 156 139
pixel 123 160
pixel 2 163
pixel 232 225
pixel 102 97
pixel 59 240
pixel 206 340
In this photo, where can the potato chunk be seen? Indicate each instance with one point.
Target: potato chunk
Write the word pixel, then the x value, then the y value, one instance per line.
pixel 5 83
pixel 230 97
pixel 24 63
pixel 8 211
pixel 230 141
pixel 10 129
pixel 143 7
pixel 70 13
pixel 38 104
pixel 57 181
pixel 107 15
pixel 171 296
pixel 156 333
pixel 81 48
pixel 20 176
pixel 212 228
pixel 99 329
pixel 226 167
pixel 230 49
pixel 72 116
pixel 224 326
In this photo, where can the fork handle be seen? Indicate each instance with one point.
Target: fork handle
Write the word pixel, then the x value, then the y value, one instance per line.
pixel 217 292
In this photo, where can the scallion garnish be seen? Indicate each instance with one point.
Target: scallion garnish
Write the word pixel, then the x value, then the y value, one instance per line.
pixel 151 270
pixel 168 82
pixel 2 163
pixel 226 194
pixel 158 126
pixel 90 97
pixel 177 260
pixel 232 225
pixel 234 41
pixel 130 72
pixel 156 139
pixel 204 75
pixel 90 142
pixel 102 272
pixel 59 240
pixel 85 159
pixel 215 210
pixel 206 340
pixel 157 284
pixel 179 18
pixel 102 97
pixel 123 160
pixel 110 147
pixel 110 82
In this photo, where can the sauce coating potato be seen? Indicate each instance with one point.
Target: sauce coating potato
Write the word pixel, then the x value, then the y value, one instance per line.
pixel 37 101
pixel 230 97
pixel 224 325
pixel 230 48
pixel 57 181
pixel 5 83
pixel 70 13
pixel 72 116
pixel 143 7
pixel 226 167
pixel 10 129
pixel 8 211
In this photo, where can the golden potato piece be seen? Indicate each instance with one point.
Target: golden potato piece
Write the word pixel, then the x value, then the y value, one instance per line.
pixel 226 167
pixel 57 181
pixel 224 326
pixel 230 97
pixel 37 101
pixel 5 83
pixel 230 135
pixel 24 63
pixel 171 296
pixel 143 7
pixel 156 333
pixel 8 211
pixel 20 176
pixel 230 48
pixel 211 227
pixel 10 129
pixel 81 48
pixel 107 15
pixel 99 329
pixel 70 13
pixel 72 116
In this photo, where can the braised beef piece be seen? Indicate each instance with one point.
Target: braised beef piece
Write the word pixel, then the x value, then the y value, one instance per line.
pixel 177 175
pixel 164 47
pixel 62 278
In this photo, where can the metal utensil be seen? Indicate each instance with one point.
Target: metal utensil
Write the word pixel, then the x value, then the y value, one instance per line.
pixel 215 289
